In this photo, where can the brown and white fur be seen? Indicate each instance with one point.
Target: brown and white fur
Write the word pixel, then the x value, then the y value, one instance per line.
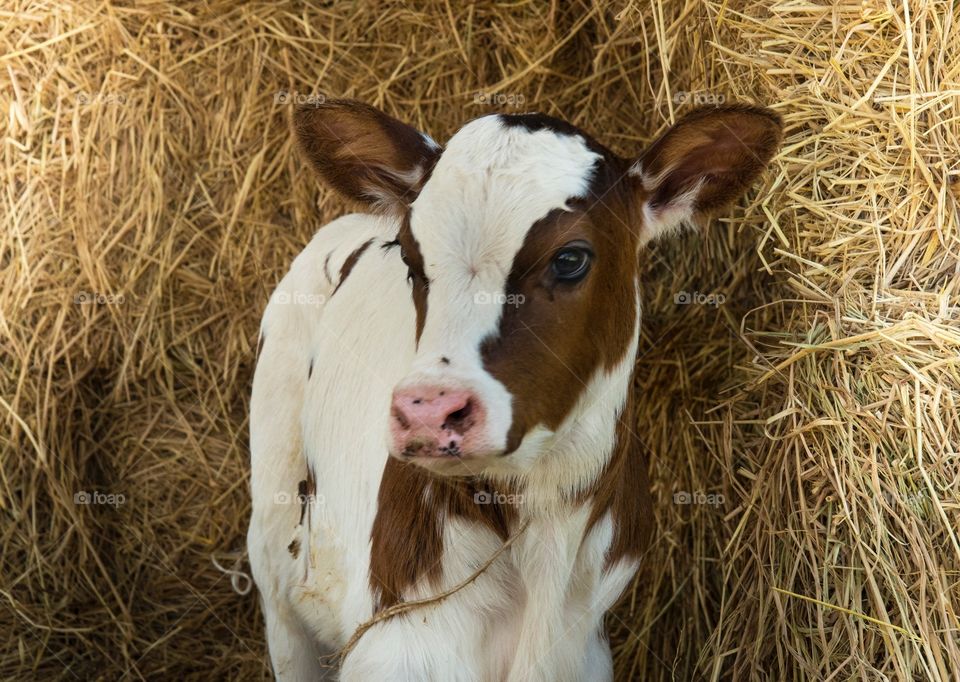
pixel 431 378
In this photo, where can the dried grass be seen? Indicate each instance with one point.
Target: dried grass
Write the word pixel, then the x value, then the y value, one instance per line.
pixel 148 162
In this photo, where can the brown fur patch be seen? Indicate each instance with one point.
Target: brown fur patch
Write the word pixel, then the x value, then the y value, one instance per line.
pixel 350 262
pixel 326 267
pixel 550 344
pixel 306 489
pixel 407 535
pixel 413 259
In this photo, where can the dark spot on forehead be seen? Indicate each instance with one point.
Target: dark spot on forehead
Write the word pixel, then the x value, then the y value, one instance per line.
pixel 536 122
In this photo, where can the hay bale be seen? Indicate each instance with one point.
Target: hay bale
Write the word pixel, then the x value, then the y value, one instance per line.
pixel 803 432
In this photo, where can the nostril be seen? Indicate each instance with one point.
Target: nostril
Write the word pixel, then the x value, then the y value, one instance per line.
pixel 460 420
pixel 461 413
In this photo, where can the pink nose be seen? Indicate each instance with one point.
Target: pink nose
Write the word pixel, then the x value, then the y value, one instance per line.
pixel 432 421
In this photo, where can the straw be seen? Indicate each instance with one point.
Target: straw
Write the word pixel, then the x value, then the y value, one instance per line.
pixel 801 411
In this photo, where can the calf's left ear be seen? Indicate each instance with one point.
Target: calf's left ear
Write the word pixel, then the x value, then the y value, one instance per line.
pixel 704 163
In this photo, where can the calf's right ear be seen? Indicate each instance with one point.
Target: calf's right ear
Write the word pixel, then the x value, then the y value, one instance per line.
pixel 364 154
pixel 704 163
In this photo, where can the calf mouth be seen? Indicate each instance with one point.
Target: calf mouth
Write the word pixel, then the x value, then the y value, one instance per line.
pixel 446 456
pixel 431 449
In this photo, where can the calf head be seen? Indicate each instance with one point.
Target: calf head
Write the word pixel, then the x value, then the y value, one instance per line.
pixel 522 238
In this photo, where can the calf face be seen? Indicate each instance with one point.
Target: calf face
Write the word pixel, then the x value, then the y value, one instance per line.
pixel 521 237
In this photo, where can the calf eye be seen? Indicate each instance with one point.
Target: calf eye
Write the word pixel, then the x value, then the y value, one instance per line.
pixel 572 262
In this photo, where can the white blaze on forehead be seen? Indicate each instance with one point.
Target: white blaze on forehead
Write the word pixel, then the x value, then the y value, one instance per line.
pixel 491 184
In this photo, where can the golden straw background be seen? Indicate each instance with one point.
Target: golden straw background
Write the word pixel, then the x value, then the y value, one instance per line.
pixel 805 403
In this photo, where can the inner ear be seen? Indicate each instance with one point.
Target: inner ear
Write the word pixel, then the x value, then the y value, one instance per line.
pixel 705 162
pixel 363 153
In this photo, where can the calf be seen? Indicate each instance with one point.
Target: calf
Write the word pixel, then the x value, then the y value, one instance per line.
pixel 451 372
